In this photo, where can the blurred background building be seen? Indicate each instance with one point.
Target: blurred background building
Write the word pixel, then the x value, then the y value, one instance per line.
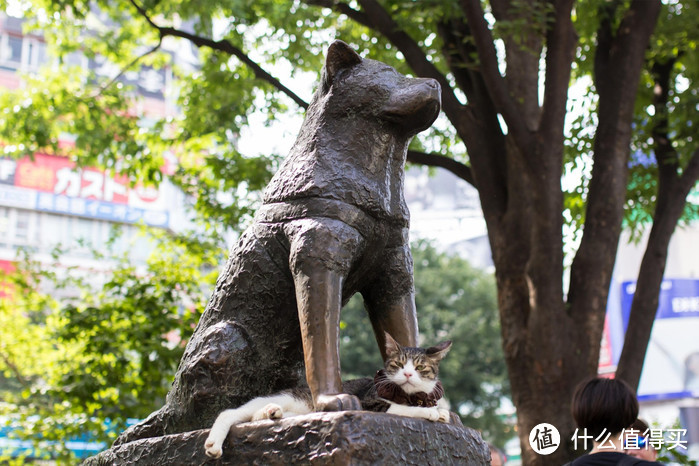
pixel 45 201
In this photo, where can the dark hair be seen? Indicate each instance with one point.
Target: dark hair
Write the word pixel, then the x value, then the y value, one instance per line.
pixel 601 404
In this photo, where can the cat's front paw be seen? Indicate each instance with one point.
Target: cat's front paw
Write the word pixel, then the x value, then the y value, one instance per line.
pixel 213 448
pixel 432 414
pixel 444 415
pixel 273 411
pixel 340 402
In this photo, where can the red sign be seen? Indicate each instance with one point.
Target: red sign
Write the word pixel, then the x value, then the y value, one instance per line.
pixel 57 175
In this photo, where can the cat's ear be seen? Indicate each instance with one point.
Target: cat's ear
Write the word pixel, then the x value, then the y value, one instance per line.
pixel 392 346
pixel 437 352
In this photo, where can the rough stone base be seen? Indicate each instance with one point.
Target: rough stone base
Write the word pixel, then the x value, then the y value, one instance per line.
pixel 342 438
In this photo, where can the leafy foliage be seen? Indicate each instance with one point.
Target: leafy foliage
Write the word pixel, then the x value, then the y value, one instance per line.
pixel 675 44
pixel 671 453
pixel 217 99
pixel 675 40
pixel 102 346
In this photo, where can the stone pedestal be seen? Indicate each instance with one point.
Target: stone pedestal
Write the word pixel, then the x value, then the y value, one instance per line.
pixel 341 438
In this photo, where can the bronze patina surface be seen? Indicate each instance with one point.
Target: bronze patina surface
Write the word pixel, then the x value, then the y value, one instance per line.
pixel 342 438
pixel 334 222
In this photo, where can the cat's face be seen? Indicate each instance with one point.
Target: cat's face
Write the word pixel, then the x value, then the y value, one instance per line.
pixel 414 369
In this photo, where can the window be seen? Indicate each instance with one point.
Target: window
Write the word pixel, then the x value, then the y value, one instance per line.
pixel 21 52
pixel 22 227
pixel 10 51
pixel 52 231
pixel 17 227
pixel 34 54
pixel 4 226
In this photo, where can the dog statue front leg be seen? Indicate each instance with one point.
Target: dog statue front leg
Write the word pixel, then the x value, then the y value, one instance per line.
pixel 321 254
pixel 398 318
pixel 319 300
pixel 390 299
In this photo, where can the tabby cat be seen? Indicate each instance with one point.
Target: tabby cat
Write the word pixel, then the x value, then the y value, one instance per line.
pixel 407 386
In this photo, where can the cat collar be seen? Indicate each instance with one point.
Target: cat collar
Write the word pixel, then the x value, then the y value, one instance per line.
pixel 393 392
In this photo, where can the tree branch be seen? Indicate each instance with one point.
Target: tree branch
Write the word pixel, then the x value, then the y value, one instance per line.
pixel 690 174
pixel 605 38
pixel 127 67
pixel 459 169
pixel 560 45
pixel 493 79
pixel 481 130
pixel 14 369
pixel 668 211
pixel 665 154
pixel 223 46
pixel 618 66
pixel 459 53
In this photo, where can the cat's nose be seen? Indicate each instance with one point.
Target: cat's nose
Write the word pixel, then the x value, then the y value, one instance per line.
pixel 408 374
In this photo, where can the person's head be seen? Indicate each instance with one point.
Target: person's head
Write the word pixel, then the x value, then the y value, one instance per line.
pixel 640 448
pixel 604 405
pixel 497 457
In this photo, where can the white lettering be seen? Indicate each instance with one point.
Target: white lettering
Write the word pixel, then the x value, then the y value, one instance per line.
pixel 93 185
pixel 112 187
pixel 685 304
pixel 67 182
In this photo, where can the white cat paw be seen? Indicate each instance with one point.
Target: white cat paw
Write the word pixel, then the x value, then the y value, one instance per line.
pixel 444 415
pixel 213 449
pixel 432 414
pixel 273 411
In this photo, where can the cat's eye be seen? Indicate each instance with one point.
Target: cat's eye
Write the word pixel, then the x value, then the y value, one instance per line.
pixel 420 367
pixel 398 364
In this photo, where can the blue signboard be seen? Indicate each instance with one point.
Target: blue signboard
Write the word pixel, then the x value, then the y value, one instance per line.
pixel 678 298
pixel 93 208
pixel 671 366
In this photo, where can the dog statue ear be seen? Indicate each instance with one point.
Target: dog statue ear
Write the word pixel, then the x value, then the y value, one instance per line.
pixel 340 56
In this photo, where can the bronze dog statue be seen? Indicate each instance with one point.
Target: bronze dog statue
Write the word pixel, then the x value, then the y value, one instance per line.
pixel 334 222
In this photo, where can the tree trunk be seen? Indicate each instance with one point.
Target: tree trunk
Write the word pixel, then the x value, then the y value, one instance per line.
pixel 550 345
